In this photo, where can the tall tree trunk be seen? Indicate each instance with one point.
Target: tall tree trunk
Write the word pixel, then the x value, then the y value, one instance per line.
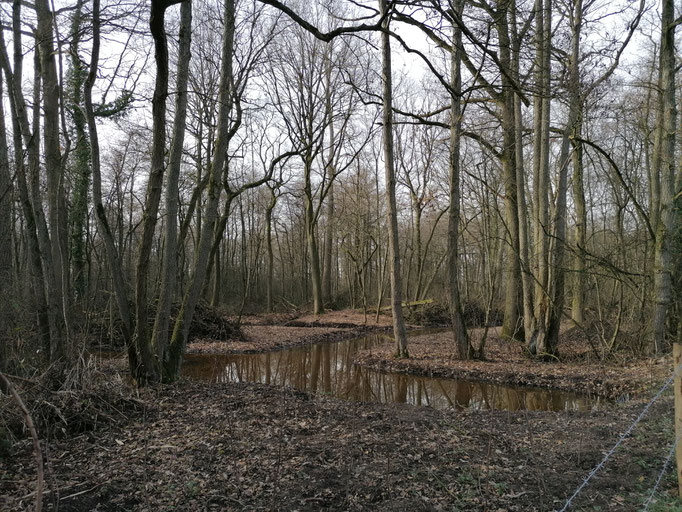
pixel 57 275
pixel 149 364
pixel 35 189
pixel 80 166
pixel 21 130
pixel 330 174
pixel 460 334
pixel 178 340
pixel 6 221
pixel 580 229
pixel 112 254
pixel 541 181
pixel 394 244
pixel 524 236
pixel 512 325
pixel 664 168
pixel 311 237
pixel 418 249
pixel 160 334
pixel 553 300
pixel 270 253
pixel 328 271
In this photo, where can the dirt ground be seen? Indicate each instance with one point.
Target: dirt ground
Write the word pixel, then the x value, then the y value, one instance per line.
pixel 201 446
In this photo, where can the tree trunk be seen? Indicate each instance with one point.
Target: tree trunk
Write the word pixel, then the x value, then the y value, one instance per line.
pixel 21 130
pixel 80 167
pixel 460 334
pixel 270 254
pixel 178 341
pixel 112 254
pixel 311 237
pixel 328 271
pixel 394 244
pixel 664 168
pixel 553 300
pixel 57 275
pixel 327 296
pixel 524 236
pixel 541 181
pixel 580 229
pixel 149 370
pixel 512 326
pixel 167 287
pixel 6 281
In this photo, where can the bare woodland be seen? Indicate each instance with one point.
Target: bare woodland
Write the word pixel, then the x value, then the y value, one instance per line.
pixel 221 220
pixel 510 157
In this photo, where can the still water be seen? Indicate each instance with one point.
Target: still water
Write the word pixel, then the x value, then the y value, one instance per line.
pixel 327 368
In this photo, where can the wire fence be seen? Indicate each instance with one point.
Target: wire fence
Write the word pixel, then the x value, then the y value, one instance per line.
pixel 620 441
pixel 660 475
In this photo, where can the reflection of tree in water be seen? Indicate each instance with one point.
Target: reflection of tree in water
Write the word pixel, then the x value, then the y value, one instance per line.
pixel 328 368
pixel 462 395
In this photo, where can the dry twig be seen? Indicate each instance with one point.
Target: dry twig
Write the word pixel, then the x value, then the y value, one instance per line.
pixel 36 441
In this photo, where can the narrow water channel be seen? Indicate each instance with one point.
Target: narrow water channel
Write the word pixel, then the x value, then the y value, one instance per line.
pixel 327 368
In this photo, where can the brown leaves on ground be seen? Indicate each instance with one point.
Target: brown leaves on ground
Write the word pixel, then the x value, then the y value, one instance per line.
pixel 199 446
pixel 435 355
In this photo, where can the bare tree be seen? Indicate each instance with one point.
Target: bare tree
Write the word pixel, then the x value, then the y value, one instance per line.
pixel 160 335
pixel 389 167
pixel 181 327
pixel 6 279
pixel 670 181
pixel 457 318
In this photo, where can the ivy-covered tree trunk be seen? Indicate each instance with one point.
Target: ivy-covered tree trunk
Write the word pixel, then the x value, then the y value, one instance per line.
pixel 79 165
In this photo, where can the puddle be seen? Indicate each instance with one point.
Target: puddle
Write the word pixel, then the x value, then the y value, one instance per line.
pixel 327 368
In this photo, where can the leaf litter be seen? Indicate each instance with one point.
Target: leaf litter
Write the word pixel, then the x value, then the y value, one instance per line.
pixel 241 446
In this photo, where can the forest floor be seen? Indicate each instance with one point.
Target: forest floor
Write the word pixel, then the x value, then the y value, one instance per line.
pixel 217 446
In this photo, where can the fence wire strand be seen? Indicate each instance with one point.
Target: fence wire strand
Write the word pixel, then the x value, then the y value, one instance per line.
pixel 622 438
pixel 660 475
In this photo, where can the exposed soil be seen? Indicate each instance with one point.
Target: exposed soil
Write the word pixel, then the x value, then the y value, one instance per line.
pixel 200 446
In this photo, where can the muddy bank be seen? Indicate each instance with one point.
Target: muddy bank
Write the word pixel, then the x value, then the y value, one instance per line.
pixel 263 334
pixel 197 446
pixel 265 338
pixel 434 355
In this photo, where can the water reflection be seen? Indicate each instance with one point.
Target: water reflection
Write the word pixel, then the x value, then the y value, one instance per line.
pixel 328 368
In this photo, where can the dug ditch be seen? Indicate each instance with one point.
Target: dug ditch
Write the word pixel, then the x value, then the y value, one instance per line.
pixel 327 368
